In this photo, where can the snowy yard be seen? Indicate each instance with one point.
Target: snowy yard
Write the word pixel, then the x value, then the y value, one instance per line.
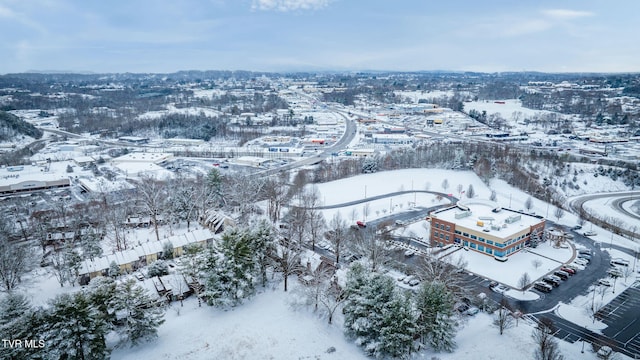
pixel 266 327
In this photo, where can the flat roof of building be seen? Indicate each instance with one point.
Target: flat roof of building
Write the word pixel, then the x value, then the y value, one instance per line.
pixel 487 216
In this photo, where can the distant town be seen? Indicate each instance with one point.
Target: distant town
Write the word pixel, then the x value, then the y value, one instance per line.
pixel 401 210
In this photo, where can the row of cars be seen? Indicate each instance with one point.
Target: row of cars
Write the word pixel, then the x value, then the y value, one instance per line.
pixel 548 282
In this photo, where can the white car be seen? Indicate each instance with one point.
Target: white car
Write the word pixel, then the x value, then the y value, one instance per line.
pixel 500 289
pixel 590 233
pixel 604 282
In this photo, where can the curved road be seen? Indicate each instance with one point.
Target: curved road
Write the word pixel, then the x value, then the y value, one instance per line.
pixel 578 205
pixel 377 197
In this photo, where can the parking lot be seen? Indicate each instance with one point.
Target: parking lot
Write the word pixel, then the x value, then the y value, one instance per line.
pixel 621 316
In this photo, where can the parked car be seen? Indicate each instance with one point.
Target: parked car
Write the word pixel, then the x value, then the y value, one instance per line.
pixel 551 281
pixel 139 276
pixel 573 267
pixel 493 284
pixel 414 282
pixel 584 251
pixel 500 289
pixel 615 273
pixel 561 274
pixel 577 227
pixel 604 282
pixel 361 224
pixel 619 262
pixel 399 222
pixel 542 286
pixel 584 257
pixel 568 270
pixel 471 311
pixel 590 233
pixel 581 262
pixel 605 352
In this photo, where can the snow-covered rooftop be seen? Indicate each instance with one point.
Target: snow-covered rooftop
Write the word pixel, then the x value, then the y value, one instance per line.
pixel 489 217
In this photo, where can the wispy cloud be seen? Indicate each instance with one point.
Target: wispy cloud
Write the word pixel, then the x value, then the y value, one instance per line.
pixel 289 5
pixel 566 14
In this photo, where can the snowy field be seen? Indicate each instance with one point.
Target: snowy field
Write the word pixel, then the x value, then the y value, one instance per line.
pixel 376 209
pixel 380 183
pixel 266 327
pixel 505 110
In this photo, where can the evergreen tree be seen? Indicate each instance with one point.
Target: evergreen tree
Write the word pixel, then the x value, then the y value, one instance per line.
pixel 376 316
pixel 140 314
pixel 158 268
pixel 213 287
pixel 101 293
pixel 18 320
pixel 398 327
pixel 436 325
pixel 75 329
pixel 114 269
pixel 236 265
pixel 262 244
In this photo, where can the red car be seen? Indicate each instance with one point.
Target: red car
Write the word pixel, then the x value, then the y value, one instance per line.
pixel 361 224
pixel 570 271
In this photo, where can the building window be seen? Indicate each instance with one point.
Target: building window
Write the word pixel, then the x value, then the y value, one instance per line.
pixel 441 226
pixel 481 239
pixel 465 234
pixel 473 237
pixel 446 237
pixel 465 243
pixel 441 236
pixel 457 240
pixel 490 242
pixel 458 232
pixel 448 228
pixel 480 247
pixel 435 234
pixel 473 245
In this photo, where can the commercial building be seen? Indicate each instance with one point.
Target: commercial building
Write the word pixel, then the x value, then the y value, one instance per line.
pixel 484 227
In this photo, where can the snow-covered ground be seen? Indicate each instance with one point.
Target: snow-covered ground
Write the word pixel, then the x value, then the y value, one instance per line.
pixel 266 327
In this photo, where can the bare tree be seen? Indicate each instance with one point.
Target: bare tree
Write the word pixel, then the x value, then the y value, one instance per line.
pixel 524 281
pixel 536 263
pixel 152 194
pixel 15 259
pixel 241 193
pixel 275 190
pixel 528 204
pixel 503 319
pixel 546 345
pixel 445 184
pixel 558 213
pixel 371 246
pixel 433 269
pixel 332 297
pixel 470 192
pixel 493 196
pixel 366 209
pixel 337 234
pixel 287 258
pixel 315 281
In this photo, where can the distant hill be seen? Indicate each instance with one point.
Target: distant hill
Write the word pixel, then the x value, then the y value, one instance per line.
pixel 12 126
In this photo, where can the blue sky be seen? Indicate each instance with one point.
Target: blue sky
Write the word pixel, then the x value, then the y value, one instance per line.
pixel 310 35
